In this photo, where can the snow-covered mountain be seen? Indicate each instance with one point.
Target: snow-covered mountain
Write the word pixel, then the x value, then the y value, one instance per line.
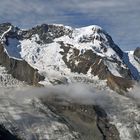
pixel 59 54
pixel 50 55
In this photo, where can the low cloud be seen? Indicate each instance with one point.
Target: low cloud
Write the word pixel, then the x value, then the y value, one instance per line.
pixel 135 93
pixel 80 93
pixel 73 93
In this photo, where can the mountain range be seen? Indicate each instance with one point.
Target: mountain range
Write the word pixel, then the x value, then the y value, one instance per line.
pixel 52 55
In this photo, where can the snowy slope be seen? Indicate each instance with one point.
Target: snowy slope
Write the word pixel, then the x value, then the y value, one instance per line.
pixel 84 34
pixel 90 38
pixel 46 57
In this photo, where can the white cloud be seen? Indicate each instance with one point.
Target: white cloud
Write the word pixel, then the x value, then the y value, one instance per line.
pixel 119 18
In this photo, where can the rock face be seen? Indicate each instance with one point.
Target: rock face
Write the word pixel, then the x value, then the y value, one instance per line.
pixel 98 67
pixel 118 84
pixel 137 54
pixel 31 54
pixel 89 121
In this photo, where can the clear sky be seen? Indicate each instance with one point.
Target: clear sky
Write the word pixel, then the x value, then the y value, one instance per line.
pixel 120 18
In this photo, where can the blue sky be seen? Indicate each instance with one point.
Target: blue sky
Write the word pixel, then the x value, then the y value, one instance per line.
pixel 120 18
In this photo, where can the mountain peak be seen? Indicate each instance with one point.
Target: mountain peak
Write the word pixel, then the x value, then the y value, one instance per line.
pixel 91 29
pixel 61 51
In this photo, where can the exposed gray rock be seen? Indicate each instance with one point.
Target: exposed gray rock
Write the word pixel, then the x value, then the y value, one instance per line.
pixel 137 54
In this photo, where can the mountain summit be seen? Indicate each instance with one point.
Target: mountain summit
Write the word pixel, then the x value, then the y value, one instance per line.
pixel 56 54
pixel 65 56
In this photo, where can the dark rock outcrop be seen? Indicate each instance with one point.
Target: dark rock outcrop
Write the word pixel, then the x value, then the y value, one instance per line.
pixel 137 54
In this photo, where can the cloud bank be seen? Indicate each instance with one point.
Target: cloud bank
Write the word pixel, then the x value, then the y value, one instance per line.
pixel 119 18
